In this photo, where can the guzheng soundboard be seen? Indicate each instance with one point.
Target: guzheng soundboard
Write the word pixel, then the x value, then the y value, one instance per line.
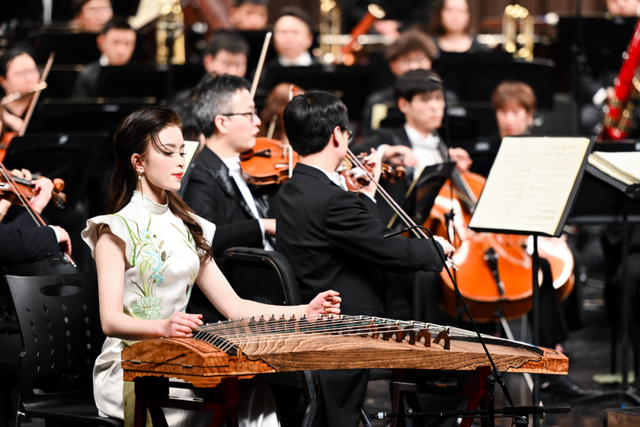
pixel 247 347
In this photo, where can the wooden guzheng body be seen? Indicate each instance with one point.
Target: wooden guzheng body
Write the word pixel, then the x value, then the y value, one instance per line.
pixel 244 348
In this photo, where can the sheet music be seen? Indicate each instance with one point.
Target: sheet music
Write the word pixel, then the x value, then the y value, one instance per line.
pixel 529 184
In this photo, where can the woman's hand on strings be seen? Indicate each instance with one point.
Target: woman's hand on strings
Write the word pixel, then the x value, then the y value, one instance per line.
pixel 327 302
pixel 181 325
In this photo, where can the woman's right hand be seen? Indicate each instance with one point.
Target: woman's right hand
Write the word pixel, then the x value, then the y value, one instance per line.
pixel 181 325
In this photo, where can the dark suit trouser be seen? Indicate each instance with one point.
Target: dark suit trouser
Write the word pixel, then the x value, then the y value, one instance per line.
pixel 338 394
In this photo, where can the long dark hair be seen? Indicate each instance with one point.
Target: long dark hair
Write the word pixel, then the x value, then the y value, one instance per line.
pixel 134 135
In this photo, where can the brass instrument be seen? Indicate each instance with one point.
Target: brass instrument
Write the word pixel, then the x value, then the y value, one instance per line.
pixel 170 27
pixel 329 39
pixel 517 30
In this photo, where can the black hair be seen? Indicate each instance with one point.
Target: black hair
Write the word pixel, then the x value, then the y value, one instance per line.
pixel 416 82
pixel 77 5
pixel 135 134
pixel 297 12
pixel 10 55
pixel 258 2
pixel 232 43
pixel 213 97
pixel 309 121
pixel 115 23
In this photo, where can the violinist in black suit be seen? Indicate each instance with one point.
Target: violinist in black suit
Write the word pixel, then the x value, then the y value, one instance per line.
pixel 334 238
pixel 226 114
pixel 22 241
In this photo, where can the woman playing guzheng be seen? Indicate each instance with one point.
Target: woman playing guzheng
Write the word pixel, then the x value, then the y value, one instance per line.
pixel 149 251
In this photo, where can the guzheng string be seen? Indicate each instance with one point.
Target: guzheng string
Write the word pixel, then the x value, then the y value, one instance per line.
pixel 242 332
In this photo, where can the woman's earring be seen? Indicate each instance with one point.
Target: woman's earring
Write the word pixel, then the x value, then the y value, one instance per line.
pixel 140 180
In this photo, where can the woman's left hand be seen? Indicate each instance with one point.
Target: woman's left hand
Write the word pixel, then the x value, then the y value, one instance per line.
pixel 327 302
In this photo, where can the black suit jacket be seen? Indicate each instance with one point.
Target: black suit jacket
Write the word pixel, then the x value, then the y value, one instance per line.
pixel 214 195
pixel 396 136
pixel 22 242
pixel 334 240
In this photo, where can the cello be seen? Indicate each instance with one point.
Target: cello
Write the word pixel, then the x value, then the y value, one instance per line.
pixel 494 270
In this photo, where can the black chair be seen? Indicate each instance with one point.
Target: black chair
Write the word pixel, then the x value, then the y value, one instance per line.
pixel 59 321
pixel 267 277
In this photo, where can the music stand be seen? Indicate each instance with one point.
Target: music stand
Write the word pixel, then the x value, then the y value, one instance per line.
pixel 530 191
pixel 607 200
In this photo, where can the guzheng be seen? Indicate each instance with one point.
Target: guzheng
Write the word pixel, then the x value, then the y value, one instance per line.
pixel 244 348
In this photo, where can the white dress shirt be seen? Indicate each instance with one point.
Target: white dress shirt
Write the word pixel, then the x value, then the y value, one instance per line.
pixel 233 164
pixel 304 60
pixel 425 149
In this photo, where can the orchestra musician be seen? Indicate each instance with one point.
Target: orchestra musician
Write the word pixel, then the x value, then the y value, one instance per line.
pixel 90 16
pixel 150 250
pixel 413 50
pixel 250 15
pixel 417 143
pixel 18 74
pixel 22 241
pixel 117 41
pixel 226 53
pixel 292 38
pixel 450 26
pixel 334 238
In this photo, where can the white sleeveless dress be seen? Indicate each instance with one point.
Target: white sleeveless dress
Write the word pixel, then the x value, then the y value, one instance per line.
pixel 162 264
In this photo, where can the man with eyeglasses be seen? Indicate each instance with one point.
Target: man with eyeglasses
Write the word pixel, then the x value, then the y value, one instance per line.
pixel 334 239
pixel 225 111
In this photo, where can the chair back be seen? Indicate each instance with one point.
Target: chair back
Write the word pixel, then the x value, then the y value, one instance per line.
pixel 261 276
pixel 59 320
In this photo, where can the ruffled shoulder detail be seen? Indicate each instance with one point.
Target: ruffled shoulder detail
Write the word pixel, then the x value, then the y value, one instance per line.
pixel 119 226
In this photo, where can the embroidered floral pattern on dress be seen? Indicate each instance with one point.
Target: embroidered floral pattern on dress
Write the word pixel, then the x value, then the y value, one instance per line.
pixel 152 262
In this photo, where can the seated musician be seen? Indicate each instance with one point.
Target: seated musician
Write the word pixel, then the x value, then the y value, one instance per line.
pixel 450 26
pixel 22 241
pixel 623 7
pixel 226 53
pixel 334 238
pixel 292 38
pixel 18 75
pixel 416 144
pixel 116 41
pixel 271 114
pixel 149 253
pixel 90 16
pixel 216 190
pixel 413 50
pixel 250 15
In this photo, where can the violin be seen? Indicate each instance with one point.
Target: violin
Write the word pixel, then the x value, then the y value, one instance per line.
pixel 17 190
pixel 270 162
pixel 494 270
pixel 356 178
pixel 23 187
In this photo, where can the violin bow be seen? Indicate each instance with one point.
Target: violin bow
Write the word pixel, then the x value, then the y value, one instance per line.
pixel 35 215
pixel 36 96
pixel 263 56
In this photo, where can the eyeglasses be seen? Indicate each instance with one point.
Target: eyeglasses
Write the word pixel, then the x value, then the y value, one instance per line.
pixel 349 133
pixel 250 114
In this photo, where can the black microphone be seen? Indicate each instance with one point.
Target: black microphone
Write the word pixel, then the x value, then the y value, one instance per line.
pixel 364 417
